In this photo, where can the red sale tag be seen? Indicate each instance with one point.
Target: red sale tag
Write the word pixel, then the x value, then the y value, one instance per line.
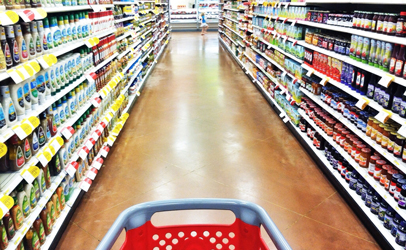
pixel 91 174
pixel 97 163
pixel 92 141
pixel 85 184
pixel 71 168
pixel 96 102
pixel 83 152
pixel 104 151
pixel 67 132
pixel 96 134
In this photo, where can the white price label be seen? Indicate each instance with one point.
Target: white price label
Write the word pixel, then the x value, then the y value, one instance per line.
pixel 383 116
pixel 71 170
pixel 15 75
pixel 286 119
pixel 83 154
pixel 67 133
pixel 386 80
pixel 91 175
pixel 310 72
pixel 293 23
pixel 28 177
pixel 402 131
pixel 96 164
pixel 103 153
pixel 282 114
pixel 89 144
pixel 84 185
pixel 324 81
pixel 95 136
pixel 362 103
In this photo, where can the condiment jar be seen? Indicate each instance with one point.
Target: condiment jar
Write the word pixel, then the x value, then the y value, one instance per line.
pixel 398 147
pixel 402 197
pixel 372 163
pixel 384 175
pixel 360 146
pixel 399 185
pixel 385 137
pixel 374 129
pixel 379 133
pixel 378 169
pixel 391 142
pixel 369 126
pixel 364 157
pixel 394 181
pixel 382 210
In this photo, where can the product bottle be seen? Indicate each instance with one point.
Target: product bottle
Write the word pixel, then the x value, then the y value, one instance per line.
pixel 42 137
pixel 42 37
pixel 46 218
pixel 36 37
pixel 3 122
pixel 65 108
pixel 388 96
pixel 78 27
pixel 17 95
pixel 48 35
pixel 56 117
pixel 41 182
pixel 9 225
pixel 61 196
pixel 6 48
pixel 33 92
pixel 22 46
pixel 55 166
pixel 51 121
pixel 41 87
pixel 30 192
pixel 27 148
pixel 23 200
pixel 393 59
pixel 3 234
pixel 16 213
pixel 16 155
pixel 35 141
pixel 73 27
pixel 27 95
pixel 39 228
pixel 35 185
pixel 8 105
pixel 47 80
pixel 47 176
pixel 56 33
pixel 15 52
pixel 57 204
pixel 51 211
pixel 29 41
pixel 32 240
pixel 62 28
pixel 400 61
pixel 68 37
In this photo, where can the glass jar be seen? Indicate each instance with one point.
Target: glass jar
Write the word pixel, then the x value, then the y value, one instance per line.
pixel 360 146
pixel 364 157
pixel 372 163
pixel 391 142
pixel 385 137
pixel 379 133
pixel 398 147
pixel 375 127
pixel 369 126
pixel 378 169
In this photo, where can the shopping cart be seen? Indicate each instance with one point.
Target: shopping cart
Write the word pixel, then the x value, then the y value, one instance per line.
pixel 243 234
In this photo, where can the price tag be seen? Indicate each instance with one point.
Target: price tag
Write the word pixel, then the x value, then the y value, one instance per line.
pixel 3 149
pixel 310 72
pixel 9 17
pixel 286 119
pixel 125 116
pixel 28 69
pixel 44 64
pixel 23 71
pixel 285 39
pixel 85 184
pixel 97 7
pixel 383 116
pixel 22 131
pixel 52 59
pixel 83 153
pixel 30 174
pixel 138 93
pixel 39 13
pixel 324 81
pixel 91 77
pixel 56 143
pixel 97 163
pixel 33 121
pixel 293 23
pixel 44 158
pixel 6 203
pixel 89 144
pixel 282 114
pixel 362 103
pixel 386 80
pixel 91 174
pixel 67 132
pixel 104 151
pixel 96 102
pixel 35 66
pixel 111 140
pixel 103 93
pixel 71 168
pixel 115 131
pixel 26 15
pixel 16 75
pixel 402 130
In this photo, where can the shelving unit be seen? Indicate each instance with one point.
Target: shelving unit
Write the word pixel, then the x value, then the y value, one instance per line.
pixel 160 32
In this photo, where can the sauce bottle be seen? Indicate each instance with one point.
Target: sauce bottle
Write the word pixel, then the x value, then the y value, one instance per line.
pixel 57 204
pixel 9 225
pixel 3 64
pixel 10 4
pixel 35 186
pixel 39 228
pixel 16 155
pixel 3 234
pixel 36 38
pixel 67 28
pixel 27 147
pixel 393 59
pixel 73 27
pixel 47 176
pixel 50 118
pixel 56 32
pixel 15 52
pixel 5 47
pixel 41 182
pixel 401 57
pixel 30 192
pixel 48 35
pixel 46 219
pixel 51 211
pixel 55 166
pixel 42 137
pixel 42 37
pixel 32 240
pixel 61 196
pixel 28 40
pixel 22 46
pixel 23 200
pixel 16 213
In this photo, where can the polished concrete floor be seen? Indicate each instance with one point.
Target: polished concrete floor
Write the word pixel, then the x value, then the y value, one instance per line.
pixel 201 129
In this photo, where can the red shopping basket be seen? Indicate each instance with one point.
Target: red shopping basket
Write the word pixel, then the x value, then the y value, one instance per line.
pixel 243 234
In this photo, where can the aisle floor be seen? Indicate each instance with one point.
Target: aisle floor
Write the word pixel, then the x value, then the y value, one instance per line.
pixel 202 129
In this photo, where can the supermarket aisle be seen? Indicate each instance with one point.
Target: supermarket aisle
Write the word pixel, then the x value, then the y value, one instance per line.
pixel 201 129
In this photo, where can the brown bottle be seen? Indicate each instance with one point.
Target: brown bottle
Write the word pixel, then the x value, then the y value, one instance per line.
pixel 44 215
pixel 39 228
pixel 16 213
pixel 3 235
pixel 15 53
pixel 9 225
pixel 47 176
pixel 16 154
pixel 32 240
pixel 6 48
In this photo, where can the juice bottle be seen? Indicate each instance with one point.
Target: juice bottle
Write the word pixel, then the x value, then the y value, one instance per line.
pixel 393 59
pixel 386 56
pixel 400 61
pixel 358 50
pixel 365 50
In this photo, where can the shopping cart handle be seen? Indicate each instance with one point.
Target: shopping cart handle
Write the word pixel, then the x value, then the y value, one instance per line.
pixel 248 212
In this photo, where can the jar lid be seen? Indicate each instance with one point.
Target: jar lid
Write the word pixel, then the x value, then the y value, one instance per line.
pixel 366 150
pixel 375 157
pixel 401 137
pixel 403 13
pixel 382 125
pixel 381 162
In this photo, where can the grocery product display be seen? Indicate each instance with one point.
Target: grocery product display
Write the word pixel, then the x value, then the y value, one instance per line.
pixel 70 71
pixel 337 78
pixel 188 14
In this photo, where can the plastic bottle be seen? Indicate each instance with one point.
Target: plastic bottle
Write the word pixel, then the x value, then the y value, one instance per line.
pixel 73 27
pixel 17 95
pixel 52 81
pixel 51 211
pixel 15 52
pixel 46 218
pixel 386 56
pixel 78 26
pixel 42 36
pixel 23 200
pixel 34 141
pixel 9 225
pixel 16 213
pixel 42 137
pixel 33 92
pixel 8 105
pixel 16 154
pixel 62 28
pixel 36 37
pixel 41 87
pixel 27 148
pixel 27 95
pixel 3 235
pixel 40 230
pixel 3 121
pixel 48 89
pixel 56 118
pixel 22 46
pixel 51 120
pixel 28 45
pixel 41 182
pixel 47 176
pixel 48 35
pixel 56 33
pixel 35 185
pixel 30 192
pixel 32 239
pixel 57 204
pixel 6 48
pixel 67 28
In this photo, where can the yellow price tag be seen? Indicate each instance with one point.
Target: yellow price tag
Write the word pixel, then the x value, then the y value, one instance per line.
pixel 48 156
pixel 26 128
pixel 35 66
pixel 116 131
pixel 13 16
pixel 7 203
pixel 125 116
pixel 53 58
pixel 33 170
pixel 115 107
pixel 119 126
pixel 52 150
pixel 48 60
pixel 60 140
pixel 42 12
pixel 34 121
pixel 96 40
pixel 3 149
pixel 29 69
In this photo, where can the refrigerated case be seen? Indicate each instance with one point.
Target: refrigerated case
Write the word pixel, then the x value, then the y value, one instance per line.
pixel 185 14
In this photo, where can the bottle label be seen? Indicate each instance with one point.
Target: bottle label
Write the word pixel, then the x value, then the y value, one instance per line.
pixel 36 189
pixel 44 43
pixel 38 45
pixel 35 241
pixel 55 121
pixel 19 218
pixel 43 184
pixel 57 163
pixel 4 238
pixel 72 106
pixel 63 202
pixel 27 95
pixel 399 27
pixel 396 149
pixel 50 43
pixel 35 143
pixel 41 83
pixel 46 76
pixel 57 38
pixel 48 222
pixel 27 149
pixel 62 115
pixel 20 97
pixel 53 212
pixel 26 207
pixel 34 91
pixel 391 28
pixel 24 51
pixel 2 119
pixel 33 199
pixel 7 54
pixel 399 67
pixel 396 105
pixel 42 233
pixel 48 132
pixel 58 204
pixel 19 157
pixel 10 225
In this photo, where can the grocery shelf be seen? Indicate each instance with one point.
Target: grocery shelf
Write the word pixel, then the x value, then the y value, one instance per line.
pixel 237 10
pixel 395 2
pixel 131 62
pixel 73 8
pixel 233 31
pixel 147 21
pixel 396 161
pixel 232 20
pixel 104 62
pixel 132 46
pixel 55 229
pixel 230 38
pixel 126 34
pixel 124 19
pixel 146 55
pixel 375 226
pixel 281 50
pixel 125 3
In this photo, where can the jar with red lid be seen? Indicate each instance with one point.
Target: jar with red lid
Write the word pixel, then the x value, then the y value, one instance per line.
pixel 384 175
pixel 378 169
pixel 398 147
pixel 372 163
pixel 389 177
pixel 354 148
pixel 347 142
pixel 360 146
pixel 335 130
pixel 311 111
pixel 364 157
pixel 400 25
pixel 343 137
